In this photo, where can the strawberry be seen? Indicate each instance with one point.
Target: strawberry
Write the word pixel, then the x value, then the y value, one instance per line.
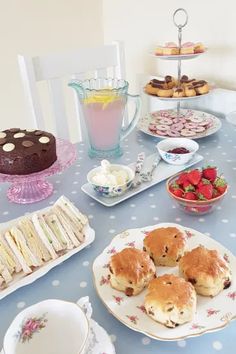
pixel 210 173
pixel 182 178
pixel 203 182
pixel 220 184
pixel 187 186
pixel 215 193
pixel 178 193
pixel 194 176
pixel 205 192
pixel 190 196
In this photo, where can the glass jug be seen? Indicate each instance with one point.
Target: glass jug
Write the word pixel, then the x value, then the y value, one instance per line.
pixel 103 102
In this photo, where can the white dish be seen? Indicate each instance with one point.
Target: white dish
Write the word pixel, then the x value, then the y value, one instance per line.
pixel 213 314
pixel 144 123
pixel 174 158
pixel 162 172
pixel 20 279
pixel 178 56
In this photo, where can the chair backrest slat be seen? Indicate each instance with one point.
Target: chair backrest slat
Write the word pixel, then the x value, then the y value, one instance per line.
pixel 53 66
pixel 58 108
pixel 31 92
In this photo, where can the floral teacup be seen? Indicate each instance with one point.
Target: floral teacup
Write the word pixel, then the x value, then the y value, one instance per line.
pixel 48 327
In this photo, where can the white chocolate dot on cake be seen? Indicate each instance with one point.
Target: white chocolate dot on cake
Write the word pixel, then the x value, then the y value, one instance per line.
pixel 2 135
pixel 44 140
pixel 8 147
pixel 19 135
pixel 30 130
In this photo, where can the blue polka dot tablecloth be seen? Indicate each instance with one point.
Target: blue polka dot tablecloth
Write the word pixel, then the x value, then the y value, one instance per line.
pixel 73 279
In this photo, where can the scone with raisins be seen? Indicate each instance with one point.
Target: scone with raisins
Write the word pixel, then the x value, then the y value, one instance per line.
pixel 206 270
pixel 131 270
pixel 165 245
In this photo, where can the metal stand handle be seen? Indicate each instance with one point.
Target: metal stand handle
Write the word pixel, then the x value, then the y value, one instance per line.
pixel 180 26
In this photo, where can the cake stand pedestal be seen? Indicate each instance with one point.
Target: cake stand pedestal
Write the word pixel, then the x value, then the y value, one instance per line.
pixel 32 188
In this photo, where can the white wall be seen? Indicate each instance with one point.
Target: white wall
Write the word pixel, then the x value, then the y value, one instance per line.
pixel 36 27
pixel 144 23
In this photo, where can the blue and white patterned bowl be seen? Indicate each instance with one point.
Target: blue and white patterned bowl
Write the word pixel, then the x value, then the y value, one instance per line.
pixel 171 143
pixel 109 191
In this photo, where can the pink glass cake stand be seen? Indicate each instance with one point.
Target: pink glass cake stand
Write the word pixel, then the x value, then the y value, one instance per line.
pixel 32 188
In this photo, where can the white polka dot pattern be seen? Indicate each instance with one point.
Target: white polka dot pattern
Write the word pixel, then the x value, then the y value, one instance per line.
pixel 55 282
pixel 83 284
pixel 217 345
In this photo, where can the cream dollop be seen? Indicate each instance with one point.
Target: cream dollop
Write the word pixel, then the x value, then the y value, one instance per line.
pixel 109 176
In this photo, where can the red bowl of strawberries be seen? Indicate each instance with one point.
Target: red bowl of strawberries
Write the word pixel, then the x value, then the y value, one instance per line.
pixel 197 191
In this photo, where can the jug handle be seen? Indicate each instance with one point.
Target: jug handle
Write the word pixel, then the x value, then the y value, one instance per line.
pixel 134 121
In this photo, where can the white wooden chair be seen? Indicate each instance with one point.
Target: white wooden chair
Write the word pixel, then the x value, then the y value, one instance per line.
pixel 103 61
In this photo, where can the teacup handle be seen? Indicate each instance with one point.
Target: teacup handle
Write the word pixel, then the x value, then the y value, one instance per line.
pixel 134 121
pixel 85 306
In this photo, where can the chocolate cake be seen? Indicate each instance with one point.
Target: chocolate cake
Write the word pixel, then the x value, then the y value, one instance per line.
pixel 26 151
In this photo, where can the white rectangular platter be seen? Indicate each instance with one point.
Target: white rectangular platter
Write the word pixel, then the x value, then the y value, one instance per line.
pixel 162 172
pixel 20 279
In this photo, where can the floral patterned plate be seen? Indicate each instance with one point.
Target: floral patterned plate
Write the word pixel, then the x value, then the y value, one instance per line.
pixel 144 122
pixel 212 313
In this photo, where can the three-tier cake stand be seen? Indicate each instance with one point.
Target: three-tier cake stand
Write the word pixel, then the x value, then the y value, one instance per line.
pixel 179 58
pixel 180 112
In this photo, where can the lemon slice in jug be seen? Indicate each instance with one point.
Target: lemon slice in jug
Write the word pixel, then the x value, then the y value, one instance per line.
pixel 104 97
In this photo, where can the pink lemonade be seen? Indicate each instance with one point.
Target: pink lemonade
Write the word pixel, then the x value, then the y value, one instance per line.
pixel 103 117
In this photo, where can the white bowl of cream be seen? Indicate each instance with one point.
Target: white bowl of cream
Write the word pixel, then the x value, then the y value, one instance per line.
pixel 111 180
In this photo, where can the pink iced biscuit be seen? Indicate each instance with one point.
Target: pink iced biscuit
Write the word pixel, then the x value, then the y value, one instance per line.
pixel 190 125
pixel 173 133
pixel 161 132
pixel 209 125
pixel 177 126
pixel 152 127
pixel 166 121
pixel 162 127
pixel 196 119
pixel 199 129
pixel 187 132
pixel 205 122
pixel 176 120
pixel 182 120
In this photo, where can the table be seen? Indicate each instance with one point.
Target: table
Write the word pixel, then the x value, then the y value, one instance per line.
pixel 73 278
